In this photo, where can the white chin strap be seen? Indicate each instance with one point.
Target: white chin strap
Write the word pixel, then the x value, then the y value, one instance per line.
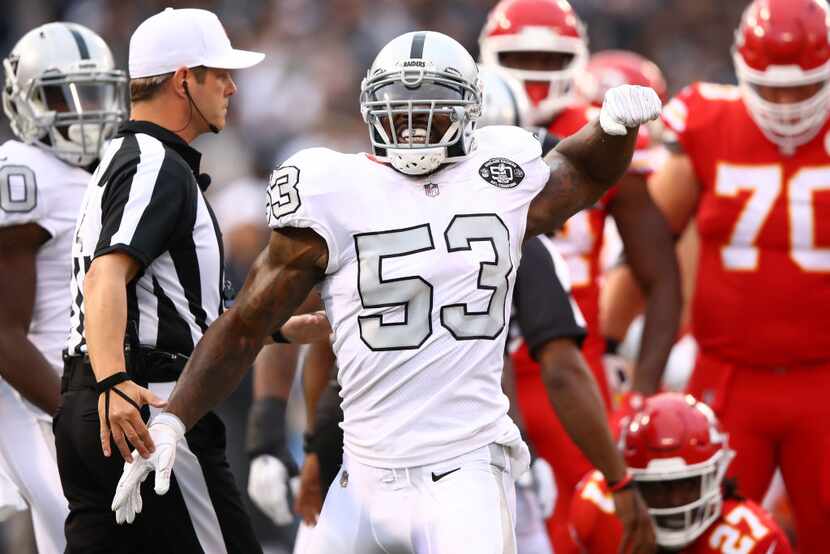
pixel 418 161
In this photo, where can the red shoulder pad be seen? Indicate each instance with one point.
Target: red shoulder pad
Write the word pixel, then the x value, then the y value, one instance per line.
pixel 696 109
pixel 591 517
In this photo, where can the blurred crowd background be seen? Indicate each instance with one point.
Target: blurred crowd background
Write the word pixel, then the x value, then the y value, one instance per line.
pixel 306 93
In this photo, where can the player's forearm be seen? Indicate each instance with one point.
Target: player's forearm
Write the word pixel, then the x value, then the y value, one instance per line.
pixel 230 345
pixel 27 371
pixel 316 376
pixel 662 318
pixel 105 321
pixel 575 397
pixel 274 370
pixel 600 159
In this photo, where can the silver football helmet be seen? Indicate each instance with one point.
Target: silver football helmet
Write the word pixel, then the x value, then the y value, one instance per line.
pixel 504 99
pixel 421 98
pixel 62 91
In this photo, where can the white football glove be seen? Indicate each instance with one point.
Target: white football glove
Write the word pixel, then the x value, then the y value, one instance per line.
pixel 539 478
pixel 268 486
pixel 519 455
pixel 628 106
pixel 166 431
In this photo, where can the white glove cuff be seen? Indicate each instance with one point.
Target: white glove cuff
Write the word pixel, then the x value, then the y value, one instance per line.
pixel 172 421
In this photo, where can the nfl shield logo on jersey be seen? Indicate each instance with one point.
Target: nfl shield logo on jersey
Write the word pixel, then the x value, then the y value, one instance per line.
pixel 432 190
pixel 502 173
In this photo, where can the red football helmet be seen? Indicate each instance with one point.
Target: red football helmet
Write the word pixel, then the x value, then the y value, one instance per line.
pixel 675 447
pixel 785 43
pixel 611 68
pixel 545 26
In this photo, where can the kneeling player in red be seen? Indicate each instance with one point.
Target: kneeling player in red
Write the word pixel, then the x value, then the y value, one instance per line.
pixel 677 454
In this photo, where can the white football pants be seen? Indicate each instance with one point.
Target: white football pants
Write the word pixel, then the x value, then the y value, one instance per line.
pixel 27 455
pixel 464 504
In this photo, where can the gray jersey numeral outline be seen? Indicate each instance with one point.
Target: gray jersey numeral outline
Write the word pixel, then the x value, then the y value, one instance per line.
pixel 415 294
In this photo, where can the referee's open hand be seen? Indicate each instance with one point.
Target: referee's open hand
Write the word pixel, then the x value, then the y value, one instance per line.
pixel 124 421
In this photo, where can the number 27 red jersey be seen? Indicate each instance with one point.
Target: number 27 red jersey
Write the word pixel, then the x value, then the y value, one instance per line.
pixel 763 287
pixel 743 528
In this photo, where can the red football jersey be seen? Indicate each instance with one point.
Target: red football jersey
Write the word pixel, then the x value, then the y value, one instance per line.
pixel 762 296
pixel 743 528
pixel 580 240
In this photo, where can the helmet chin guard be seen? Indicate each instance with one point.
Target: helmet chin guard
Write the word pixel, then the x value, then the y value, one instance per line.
pixel 416 162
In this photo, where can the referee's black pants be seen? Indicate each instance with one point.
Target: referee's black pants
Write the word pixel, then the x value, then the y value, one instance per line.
pixel 202 512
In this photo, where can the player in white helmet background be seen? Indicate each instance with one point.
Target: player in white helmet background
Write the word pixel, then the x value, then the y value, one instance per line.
pixel 415 248
pixel 64 98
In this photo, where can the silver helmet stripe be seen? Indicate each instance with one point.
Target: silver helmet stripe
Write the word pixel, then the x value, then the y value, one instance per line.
pixel 417 50
pixel 83 50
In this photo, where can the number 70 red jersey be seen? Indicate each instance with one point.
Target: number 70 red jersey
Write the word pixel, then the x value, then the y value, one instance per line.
pixel 743 528
pixel 763 287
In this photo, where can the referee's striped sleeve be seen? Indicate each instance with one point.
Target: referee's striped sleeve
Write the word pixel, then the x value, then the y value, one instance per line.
pixel 545 309
pixel 145 203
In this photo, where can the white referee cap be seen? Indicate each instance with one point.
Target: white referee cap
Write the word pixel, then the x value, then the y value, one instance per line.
pixel 189 37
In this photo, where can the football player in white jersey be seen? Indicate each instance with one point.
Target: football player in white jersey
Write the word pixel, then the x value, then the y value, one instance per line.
pixel 416 247
pixel 64 98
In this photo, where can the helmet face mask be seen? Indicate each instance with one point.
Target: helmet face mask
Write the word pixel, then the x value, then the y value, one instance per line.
pixel 421 112
pixel 678 455
pixel 785 44
pixel 68 103
pixel 543 44
pixel 683 502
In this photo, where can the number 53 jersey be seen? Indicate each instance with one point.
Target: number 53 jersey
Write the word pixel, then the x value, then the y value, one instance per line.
pixel 762 296
pixel 418 286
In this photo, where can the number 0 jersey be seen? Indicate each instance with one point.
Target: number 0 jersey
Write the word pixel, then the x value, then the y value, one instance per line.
pixel 36 187
pixel 418 286
pixel 762 295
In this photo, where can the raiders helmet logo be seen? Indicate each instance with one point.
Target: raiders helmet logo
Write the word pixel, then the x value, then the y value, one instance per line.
pixel 502 173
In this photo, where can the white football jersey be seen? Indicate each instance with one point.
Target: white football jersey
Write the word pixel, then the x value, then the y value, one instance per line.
pixel 37 187
pixel 418 286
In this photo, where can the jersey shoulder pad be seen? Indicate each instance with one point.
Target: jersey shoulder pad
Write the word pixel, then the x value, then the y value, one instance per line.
pixel 508 154
pixel 698 106
pixel 308 191
pixel 507 141
pixel 591 517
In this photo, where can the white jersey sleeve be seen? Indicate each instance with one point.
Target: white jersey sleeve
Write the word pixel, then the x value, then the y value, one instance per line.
pixel 510 158
pixel 36 187
pixel 307 192
pixel 21 201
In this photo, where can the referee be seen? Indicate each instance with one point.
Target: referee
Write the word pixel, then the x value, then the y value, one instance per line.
pixel 147 282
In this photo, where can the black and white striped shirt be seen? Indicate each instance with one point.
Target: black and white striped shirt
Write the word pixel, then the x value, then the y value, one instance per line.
pixel 144 200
